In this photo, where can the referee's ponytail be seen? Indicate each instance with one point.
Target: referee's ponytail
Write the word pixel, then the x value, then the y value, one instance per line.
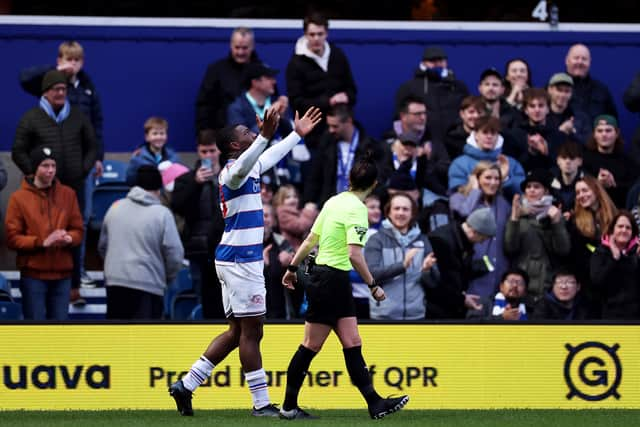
pixel 364 172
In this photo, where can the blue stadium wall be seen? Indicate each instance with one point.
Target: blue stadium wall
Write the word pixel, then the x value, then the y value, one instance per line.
pixel 145 67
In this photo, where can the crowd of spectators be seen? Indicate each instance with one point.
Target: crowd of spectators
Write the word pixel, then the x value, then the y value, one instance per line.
pixel 516 203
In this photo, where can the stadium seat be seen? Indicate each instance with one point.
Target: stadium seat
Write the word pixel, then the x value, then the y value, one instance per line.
pixel 114 173
pixel 10 310
pixel 181 284
pixel 183 305
pixel 102 198
pixel 106 189
pixel 5 289
pixel 196 313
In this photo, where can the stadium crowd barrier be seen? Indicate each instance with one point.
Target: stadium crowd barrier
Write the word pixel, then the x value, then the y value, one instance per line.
pixel 441 366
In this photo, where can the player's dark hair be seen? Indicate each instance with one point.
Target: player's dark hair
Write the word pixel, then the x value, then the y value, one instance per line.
pixel 364 172
pixel 225 137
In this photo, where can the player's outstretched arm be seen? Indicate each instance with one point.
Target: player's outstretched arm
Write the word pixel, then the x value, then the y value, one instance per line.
pixel 303 125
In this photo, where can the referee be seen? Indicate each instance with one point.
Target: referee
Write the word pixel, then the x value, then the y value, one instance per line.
pixel 340 231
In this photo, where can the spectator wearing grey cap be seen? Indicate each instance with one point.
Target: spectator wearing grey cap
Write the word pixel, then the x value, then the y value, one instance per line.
pixel 536 236
pixel 442 92
pixel 453 246
pixel 561 115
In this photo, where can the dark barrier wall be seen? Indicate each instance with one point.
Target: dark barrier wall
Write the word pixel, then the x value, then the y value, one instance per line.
pixel 153 68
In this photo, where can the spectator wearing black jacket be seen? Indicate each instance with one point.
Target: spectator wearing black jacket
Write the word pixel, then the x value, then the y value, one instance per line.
pixel 589 95
pixel 318 74
pixel 471 108
pixel 605 159
pixel 631 100
pixel 433 162
pixel 341 145
pixel 435 83
pixel 453 247
pixel 615 268
pixel 534 142
pixel 224 81
pixel 81 91
pixel 564 301
pixel 195 198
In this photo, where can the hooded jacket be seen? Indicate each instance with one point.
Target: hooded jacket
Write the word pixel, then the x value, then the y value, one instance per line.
pixel 462 166
pixel 32 215
pixel 404 288
pixel 308 84
pixel 140 244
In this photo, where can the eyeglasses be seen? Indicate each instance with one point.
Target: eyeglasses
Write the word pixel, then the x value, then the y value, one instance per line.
pixel 58 88
pixel 418 113
pixel 516 282
pixel 569 283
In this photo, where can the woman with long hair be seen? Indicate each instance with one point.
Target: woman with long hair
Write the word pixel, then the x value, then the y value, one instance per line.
pixel 484 190
pixel 593 212
pixel 517 78
pixel 340 233
pixel 615 268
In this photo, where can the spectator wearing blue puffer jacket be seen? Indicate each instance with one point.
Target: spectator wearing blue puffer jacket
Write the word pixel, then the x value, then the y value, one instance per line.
pixel 154 150
pixel 486 143
pixel 401 260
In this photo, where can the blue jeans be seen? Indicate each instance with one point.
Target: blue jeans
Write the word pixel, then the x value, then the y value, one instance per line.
pixel 45 299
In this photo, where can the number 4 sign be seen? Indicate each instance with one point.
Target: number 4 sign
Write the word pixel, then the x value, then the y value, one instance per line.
pixel 540 11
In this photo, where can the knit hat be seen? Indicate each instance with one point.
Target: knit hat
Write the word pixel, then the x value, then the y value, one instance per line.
pixel 483 221
pixel 39 155
pixel 148 177
pixel 52 77
pixel 560 79
pixel 607 118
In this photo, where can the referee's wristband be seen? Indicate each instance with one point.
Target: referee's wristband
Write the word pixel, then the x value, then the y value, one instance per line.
pixel 373 284
pixel 292 268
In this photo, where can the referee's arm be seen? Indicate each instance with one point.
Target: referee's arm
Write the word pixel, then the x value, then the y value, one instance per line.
pixel 359 264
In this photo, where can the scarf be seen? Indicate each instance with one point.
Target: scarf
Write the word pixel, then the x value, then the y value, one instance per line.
pixel 62 115
pixel 499 304
pixel 539 208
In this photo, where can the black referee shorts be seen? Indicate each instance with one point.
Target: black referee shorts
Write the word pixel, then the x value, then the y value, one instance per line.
pixel 329 295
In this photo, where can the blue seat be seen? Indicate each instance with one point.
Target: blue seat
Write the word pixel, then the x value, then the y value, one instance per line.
pixel 102 197
pixel 10 310
pixel 114 173
pixel 181 284
pixel 5 289
pixel 183 304
pixel 196 313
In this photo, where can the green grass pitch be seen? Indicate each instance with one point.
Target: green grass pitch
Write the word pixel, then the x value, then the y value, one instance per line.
pixel 407 417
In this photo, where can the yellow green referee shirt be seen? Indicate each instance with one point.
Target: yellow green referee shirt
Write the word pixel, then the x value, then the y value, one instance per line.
pixel 342 221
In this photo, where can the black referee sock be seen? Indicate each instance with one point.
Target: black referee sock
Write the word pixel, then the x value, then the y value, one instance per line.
pixel 295 376
pixel 359 374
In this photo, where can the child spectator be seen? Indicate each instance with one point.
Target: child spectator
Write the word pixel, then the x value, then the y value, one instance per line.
pixel 154 150
pixel 43 223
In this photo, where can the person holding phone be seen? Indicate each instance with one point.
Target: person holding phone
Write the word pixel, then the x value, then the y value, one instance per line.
pixel 195 198
pixel 509 302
